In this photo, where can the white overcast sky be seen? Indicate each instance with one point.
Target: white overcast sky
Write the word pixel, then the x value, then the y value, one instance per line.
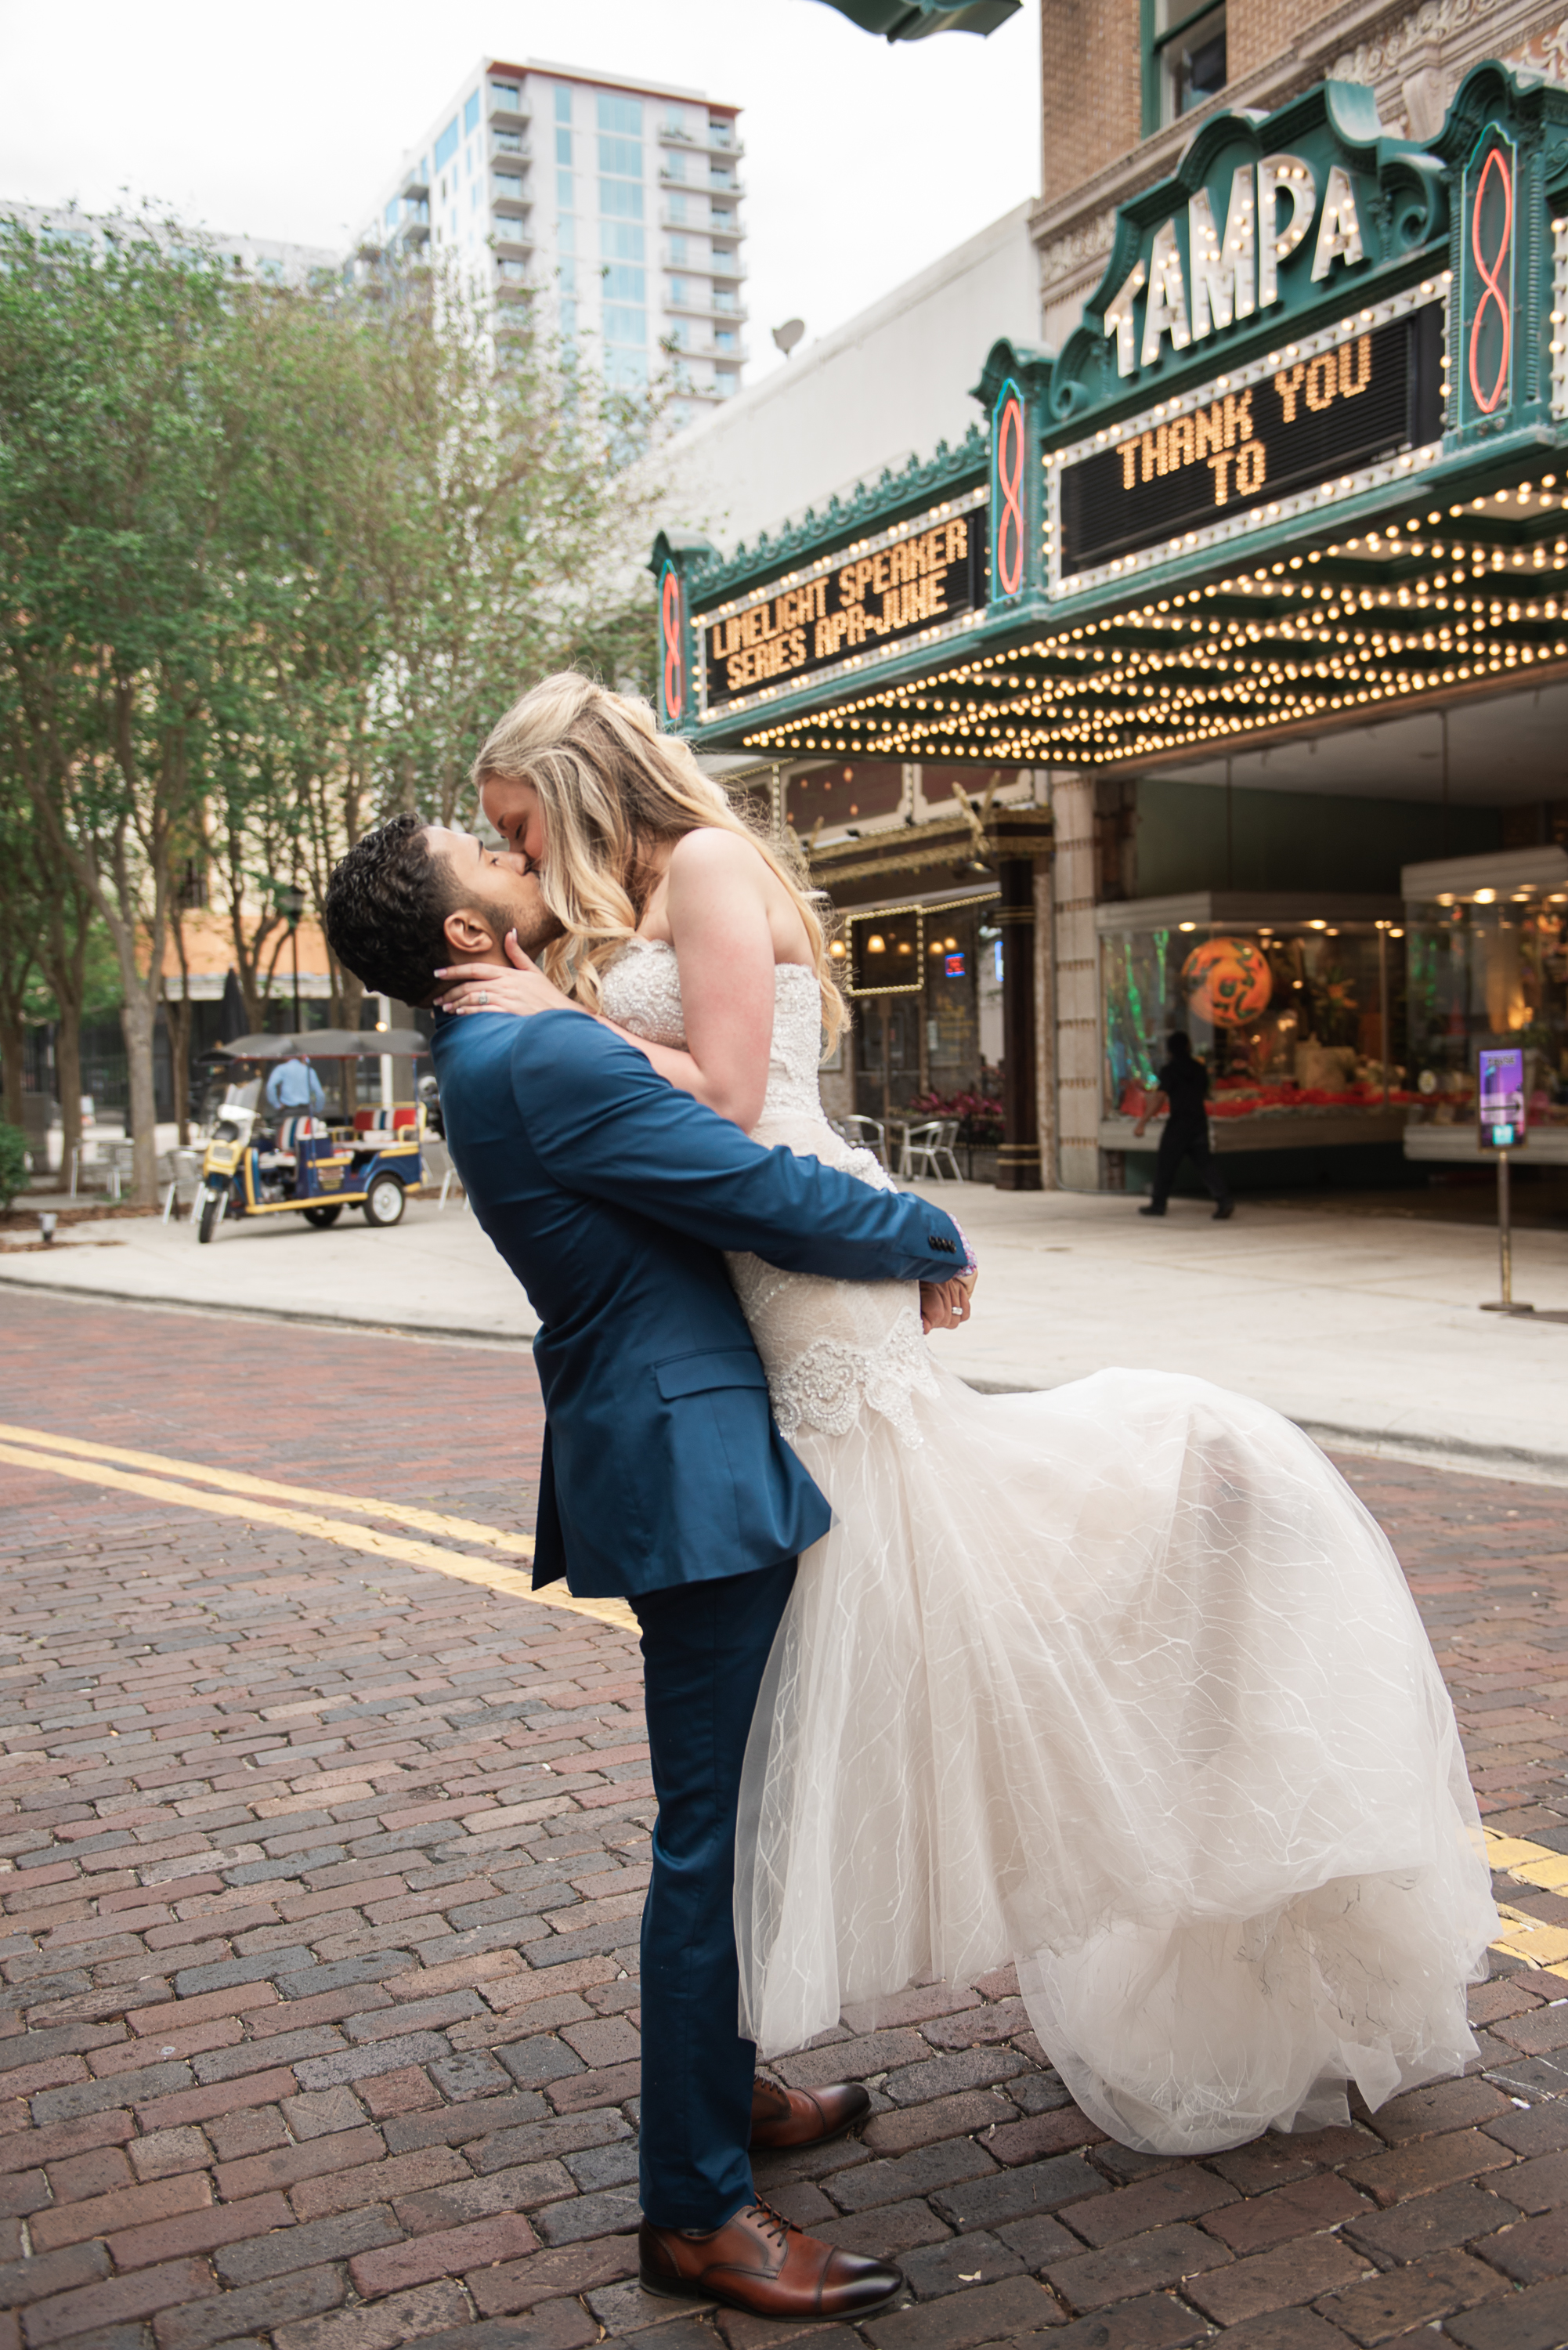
pixel 865 161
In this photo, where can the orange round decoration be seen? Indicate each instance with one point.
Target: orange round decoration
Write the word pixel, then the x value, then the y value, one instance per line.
pixel 1227 981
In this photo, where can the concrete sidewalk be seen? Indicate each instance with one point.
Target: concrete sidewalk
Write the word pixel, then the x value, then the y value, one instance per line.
pixel 1365 1327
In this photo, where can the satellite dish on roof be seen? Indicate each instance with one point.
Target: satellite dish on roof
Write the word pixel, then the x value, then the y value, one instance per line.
pixel 789 334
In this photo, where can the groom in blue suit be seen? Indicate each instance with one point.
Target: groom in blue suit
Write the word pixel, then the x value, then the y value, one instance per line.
pixel 665 1479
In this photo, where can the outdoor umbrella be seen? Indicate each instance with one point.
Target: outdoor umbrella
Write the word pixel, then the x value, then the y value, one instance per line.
pixel 911 20
pixel 331 1045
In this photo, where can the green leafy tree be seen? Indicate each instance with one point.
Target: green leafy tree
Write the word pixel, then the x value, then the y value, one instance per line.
pixel 116 605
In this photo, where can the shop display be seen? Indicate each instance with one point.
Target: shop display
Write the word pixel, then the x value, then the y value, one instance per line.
pixel 1489 970
pixel 1294 1018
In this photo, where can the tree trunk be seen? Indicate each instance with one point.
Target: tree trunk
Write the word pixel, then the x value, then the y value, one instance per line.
pixel 69 1076
pixel 13 1044
pixel 137 1017
pixel 177 1018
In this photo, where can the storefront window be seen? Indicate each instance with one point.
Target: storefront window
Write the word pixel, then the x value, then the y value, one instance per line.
pixel 924 988
pixel 1488 970
pixel 1296 1019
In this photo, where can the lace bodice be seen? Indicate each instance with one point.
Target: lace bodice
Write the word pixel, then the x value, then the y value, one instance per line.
pixel 832 1350
pixel 643 992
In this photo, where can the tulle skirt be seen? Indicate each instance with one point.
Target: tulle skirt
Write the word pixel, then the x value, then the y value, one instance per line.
pixel 1121 1682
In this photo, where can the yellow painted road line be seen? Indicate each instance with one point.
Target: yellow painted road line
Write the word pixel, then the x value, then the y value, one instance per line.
pixel 341 1530
pixel 1523 1937
pixel 236 1480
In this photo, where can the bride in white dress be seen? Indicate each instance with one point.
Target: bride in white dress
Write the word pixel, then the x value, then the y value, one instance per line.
pixel 1120 1680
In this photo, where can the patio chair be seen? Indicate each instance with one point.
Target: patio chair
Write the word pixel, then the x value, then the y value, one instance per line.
pixel 863 1134
pixel 181 1169
pixel 925 1148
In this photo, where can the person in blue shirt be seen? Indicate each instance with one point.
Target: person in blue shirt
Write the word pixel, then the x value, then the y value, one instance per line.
pixel 293 1086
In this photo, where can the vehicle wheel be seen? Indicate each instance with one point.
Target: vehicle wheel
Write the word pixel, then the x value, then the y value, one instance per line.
pixel 384 1201
pixel 329 1215
pixel 213 1207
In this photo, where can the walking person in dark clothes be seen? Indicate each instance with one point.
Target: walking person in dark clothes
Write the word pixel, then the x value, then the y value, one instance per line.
pixel 1183 1094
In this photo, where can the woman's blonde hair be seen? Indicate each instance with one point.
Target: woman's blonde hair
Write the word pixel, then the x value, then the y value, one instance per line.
pixel 611 786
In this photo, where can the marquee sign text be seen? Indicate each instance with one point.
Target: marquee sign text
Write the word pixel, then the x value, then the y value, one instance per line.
pixel 929 574
pixel 1368 397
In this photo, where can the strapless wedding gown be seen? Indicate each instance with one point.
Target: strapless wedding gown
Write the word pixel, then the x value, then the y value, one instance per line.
pixel 1120 1681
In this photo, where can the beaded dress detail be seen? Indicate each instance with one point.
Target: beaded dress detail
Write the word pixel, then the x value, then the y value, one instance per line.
pixel 830 1349
pixel 1120 1681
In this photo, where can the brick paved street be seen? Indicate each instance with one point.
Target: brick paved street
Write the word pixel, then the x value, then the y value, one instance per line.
pixel 321 1877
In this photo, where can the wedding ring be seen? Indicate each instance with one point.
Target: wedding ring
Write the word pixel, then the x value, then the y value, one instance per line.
pixel 482 997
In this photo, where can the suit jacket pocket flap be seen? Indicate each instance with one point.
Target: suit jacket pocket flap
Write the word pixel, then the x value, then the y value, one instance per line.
pixel 732 1366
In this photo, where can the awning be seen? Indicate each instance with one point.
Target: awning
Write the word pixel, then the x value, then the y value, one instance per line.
pixel 1295 473
pixel 911 20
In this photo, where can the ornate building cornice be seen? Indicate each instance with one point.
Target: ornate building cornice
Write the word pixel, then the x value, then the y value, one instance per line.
pixel 872 507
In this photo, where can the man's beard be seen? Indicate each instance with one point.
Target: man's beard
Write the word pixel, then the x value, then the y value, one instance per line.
pixel 536 925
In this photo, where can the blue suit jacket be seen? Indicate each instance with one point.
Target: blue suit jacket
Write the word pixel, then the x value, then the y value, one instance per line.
pixel 610 1193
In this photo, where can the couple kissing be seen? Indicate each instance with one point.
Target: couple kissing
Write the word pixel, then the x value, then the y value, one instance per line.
pixel 1118 1681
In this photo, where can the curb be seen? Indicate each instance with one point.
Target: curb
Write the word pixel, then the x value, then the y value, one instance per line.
pixel 447 1334
pixel 1511 1462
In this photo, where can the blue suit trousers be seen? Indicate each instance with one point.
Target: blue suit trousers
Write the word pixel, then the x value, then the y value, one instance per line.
pixel 705 1645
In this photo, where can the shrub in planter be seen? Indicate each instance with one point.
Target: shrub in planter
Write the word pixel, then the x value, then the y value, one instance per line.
pixel 979 1117
pixel 13 1163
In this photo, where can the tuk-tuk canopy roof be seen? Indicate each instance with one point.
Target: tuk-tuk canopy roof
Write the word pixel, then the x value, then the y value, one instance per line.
pixel 331 1045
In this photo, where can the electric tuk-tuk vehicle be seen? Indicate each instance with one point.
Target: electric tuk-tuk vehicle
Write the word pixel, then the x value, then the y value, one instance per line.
pixel 310 1166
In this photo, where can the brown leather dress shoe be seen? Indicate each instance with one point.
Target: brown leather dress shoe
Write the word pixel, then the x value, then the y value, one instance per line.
pixel 760 2263
pixel 793 2117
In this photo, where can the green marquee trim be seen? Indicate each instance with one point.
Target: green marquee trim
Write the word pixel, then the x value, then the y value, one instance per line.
pixel 1389 223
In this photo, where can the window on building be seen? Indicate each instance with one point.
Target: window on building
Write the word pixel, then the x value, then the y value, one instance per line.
pixel 620 157
pixel 1184 58
pixel 508 187
pixel 725 385
pixel 679 334
pixel 624 283
pixel 473 197
pixel 563 101
pixel 673 167
pixel 619 240
pixel 721 134
pixel 567 276
pixel 622 115
pixel 566 233
pixel 723 298
pixel 446 145
pixel 677 204
pixel 678 248
pixel 563 147
pixel 568 317
pixel 626 370
pixel 565 193
pixel 724 339
pixel 621 199
pixel 626 326
pixel 679 293
pixel 391 214
pixel 506 95
pixel 512 272
pixel 471 114
pixel 724 221
pixel 424 170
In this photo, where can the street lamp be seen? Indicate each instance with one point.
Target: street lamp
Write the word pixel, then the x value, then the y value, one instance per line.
pixel 289 899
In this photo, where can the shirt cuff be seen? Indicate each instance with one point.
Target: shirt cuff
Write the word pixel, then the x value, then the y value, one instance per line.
pixel 971 1261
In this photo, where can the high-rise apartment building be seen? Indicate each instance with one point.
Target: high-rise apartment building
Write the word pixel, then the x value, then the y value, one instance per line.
pixel 617 204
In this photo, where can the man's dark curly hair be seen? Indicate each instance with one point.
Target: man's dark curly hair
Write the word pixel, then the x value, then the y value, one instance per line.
pixel 386 905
